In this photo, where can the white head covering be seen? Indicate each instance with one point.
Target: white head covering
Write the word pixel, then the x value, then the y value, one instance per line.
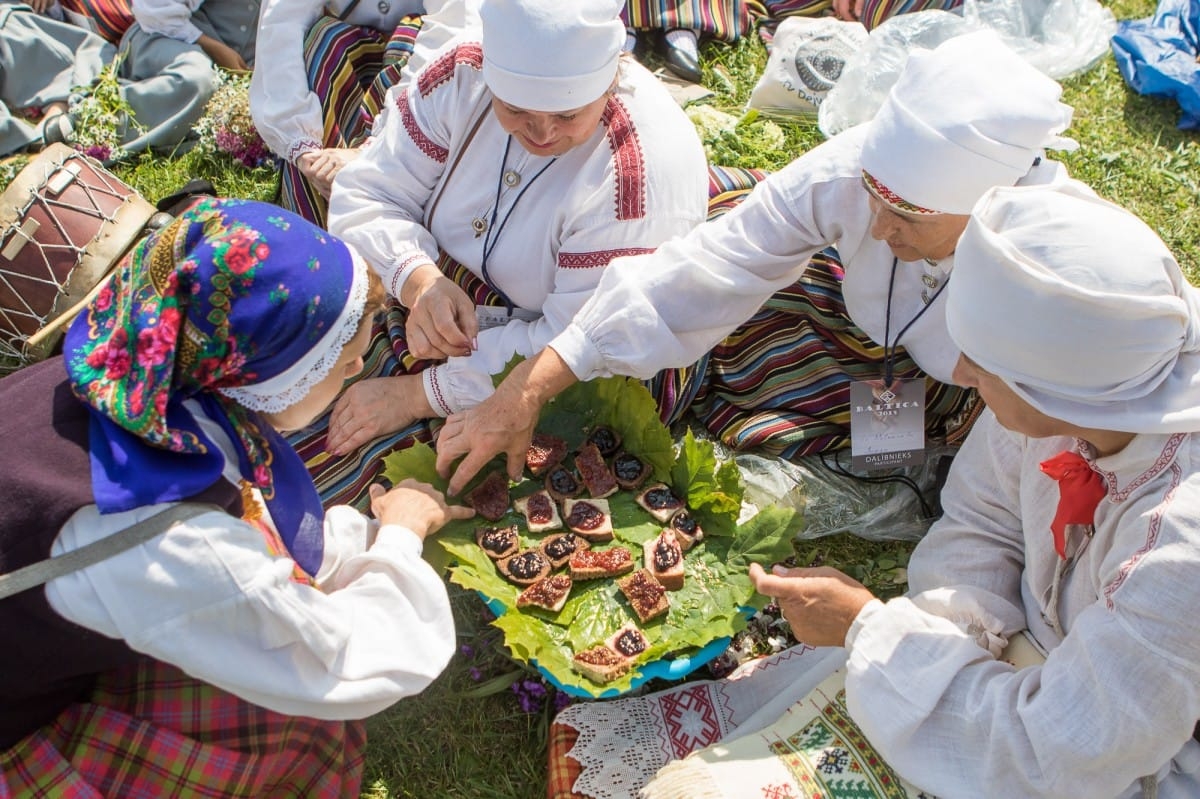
pixel 1080 308
pixel 963 117
pixel 551 55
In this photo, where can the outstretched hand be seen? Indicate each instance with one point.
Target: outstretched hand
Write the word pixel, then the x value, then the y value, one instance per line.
pixel 819 603
pixel 418 506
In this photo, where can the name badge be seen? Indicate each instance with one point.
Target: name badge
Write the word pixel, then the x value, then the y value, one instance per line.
pixel 490 316
pixel 887 425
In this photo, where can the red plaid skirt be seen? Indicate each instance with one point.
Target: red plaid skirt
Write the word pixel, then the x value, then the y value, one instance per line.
pixel 149 731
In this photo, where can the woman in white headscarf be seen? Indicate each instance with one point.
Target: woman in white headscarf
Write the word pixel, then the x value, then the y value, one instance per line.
pixel 892 195
pixel 1070 526
pixel 491 198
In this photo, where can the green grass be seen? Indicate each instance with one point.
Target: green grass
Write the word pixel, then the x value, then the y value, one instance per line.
pixel 459 740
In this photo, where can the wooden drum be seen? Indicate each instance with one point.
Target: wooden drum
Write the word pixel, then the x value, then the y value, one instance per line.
pixel 65 222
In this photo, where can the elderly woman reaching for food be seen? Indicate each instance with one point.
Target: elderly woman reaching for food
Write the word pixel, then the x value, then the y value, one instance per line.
pixel 491 198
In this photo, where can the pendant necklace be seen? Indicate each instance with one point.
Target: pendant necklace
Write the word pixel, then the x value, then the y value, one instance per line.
pixel 510 178
pixel 931 278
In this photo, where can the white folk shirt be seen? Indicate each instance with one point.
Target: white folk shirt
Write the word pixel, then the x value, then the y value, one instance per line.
pixel 286 111
pixel 708 283
pixel 1119 693
pixel 638 181
pixel 210 599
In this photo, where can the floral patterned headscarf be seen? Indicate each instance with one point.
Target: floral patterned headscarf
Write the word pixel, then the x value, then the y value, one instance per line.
pixel 233 297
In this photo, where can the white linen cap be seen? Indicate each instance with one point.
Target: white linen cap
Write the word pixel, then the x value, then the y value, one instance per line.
pixel 963 117
pixel 1080 308
pixel 551 55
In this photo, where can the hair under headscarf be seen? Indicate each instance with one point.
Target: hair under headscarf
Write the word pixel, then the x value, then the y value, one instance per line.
pixel 551 55
pixel 237 305
pixel 1080 308
pixel 964 117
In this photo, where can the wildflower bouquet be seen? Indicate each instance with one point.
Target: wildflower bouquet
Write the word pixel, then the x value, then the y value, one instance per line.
pixel 226 127
pixel 100 116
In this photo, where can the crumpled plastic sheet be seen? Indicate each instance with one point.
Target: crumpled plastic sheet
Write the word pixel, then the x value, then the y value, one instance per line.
pixel 1157 56
pixel 835 503
pixel 1058 37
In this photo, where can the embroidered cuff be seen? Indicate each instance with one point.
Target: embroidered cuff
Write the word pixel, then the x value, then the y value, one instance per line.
pixel 301 147
pixel 403 270
pixel 435 392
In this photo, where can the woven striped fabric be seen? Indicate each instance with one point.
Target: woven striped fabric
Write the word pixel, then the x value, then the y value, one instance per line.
pixel 351 69
pixel 112 17
pixel 780 383
pixel 872 13
pixel 345 480
pixel 149 731
pixel 721 19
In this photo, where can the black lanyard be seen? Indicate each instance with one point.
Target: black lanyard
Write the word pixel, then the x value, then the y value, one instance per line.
pixel 889 351
pixel 489 243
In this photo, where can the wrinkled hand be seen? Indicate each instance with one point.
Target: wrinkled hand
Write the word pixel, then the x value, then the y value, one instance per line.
pixel 441 317
pixel 848 10
pixel 418 506
pixel 322 166
pixel 374 407
pixel 819 603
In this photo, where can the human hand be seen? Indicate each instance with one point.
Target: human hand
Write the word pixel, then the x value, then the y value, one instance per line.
pixel 819 603
pixel 418 506
pixel 441 317
pixel 322 166
pixel 504 422
pixel 40 6
pixel 848 10
pixel 222 54
pixel 373 407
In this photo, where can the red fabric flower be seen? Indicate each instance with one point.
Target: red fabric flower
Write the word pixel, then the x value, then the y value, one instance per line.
pixel 1080 490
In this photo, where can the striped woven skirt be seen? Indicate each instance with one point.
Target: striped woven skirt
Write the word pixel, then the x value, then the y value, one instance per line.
pixel 873 12
pixel 148 731
pixel 344 480
pixel 720 19
pixel 780 383
pixel 350 68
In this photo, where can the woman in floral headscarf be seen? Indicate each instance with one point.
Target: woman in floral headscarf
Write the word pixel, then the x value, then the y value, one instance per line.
pixel 235 321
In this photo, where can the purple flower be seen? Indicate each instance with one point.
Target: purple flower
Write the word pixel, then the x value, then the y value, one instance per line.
pixel 467 651
pixel 476 674
pixel 561 700
pixel 531 695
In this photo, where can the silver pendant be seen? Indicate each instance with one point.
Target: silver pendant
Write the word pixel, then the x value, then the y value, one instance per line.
pixel 930 281
pixel 512 179
pixel 925 296
pixel 479 225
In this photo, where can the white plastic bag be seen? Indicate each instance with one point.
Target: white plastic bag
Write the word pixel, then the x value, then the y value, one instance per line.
pixel 807 58
pixel 1058 37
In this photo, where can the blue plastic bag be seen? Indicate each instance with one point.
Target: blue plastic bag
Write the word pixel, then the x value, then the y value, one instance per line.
pixel 1157 56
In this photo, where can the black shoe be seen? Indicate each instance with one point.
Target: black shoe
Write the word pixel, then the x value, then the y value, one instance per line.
pixel 681 62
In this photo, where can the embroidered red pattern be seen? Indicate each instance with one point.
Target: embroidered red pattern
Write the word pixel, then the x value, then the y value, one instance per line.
pixel 778 792
pixel 436 388
pixel 890 197
pixel 691 720
pixel 425 144
pixel 588 260
pixel 1152 532
pixel 1165 458
pixel 629 162
pixel 404 266
pixel 441 70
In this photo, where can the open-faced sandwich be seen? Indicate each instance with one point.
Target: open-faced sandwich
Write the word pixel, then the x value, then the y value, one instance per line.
pixel 544 453
pixel 664 558
pixel 590 518
pixel 629 470
pixel 593 564
pixel 525 567
pixel 540 511
pixel 594 472
pixel 490 497
pixel 498 542
pixel 559 548
pixel 659 501
pixel 549 593
pixel 646 595
pixel 687 529
pixel 563 483
pixel 605 439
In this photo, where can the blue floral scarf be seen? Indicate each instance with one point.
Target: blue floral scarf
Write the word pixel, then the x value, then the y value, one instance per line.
pixel 232 293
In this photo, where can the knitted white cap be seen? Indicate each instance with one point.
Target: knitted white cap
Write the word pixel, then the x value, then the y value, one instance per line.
pixel 1079 307
pixel 964 117
pixel 551 55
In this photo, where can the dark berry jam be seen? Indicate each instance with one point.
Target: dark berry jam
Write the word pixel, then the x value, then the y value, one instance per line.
pixel 684 523
pixel 630 643
pixel 665 556
pixel 561 546
pixel 540 509
pixel 627 467
pixel 562 482
pixel 497 539
pixel 662 499
pixel 526 565
pixel 605 439
pixel 585 516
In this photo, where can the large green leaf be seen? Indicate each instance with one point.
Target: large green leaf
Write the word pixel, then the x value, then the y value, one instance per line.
pixel 716 585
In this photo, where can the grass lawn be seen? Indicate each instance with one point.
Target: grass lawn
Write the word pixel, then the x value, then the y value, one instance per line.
pixel 468 736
